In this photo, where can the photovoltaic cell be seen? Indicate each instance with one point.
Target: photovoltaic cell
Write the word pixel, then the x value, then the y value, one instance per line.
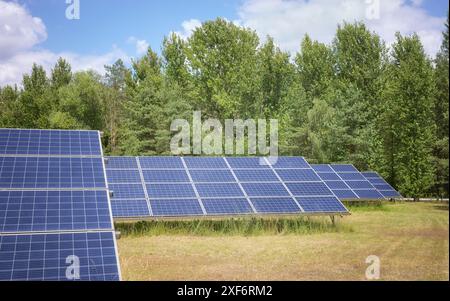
pixel 359 184
pixel 309 189
pixel 290 162
pixel 211 190
pixel 121 163
pixel 343 168
pixel 49 172
pixel 321 204
pixel 368 194
pixel 381 185
pixel 336 185
pixel 168 176
pixel 322 168
pixel 256 175
pixel 265 189
pixel 246 162
pixel 127 191
pixel 227 206
pixel 48 256
pixel 24 211
pixel 123 176
pixel 129 208
pixel 176 207
pixel 275 205
pixel 345 194
pixel 328 176
pixel 156 191
pixel 297 175
pixel 161 162
pixel 205 163
pixel 351 176
pixel 220 175
pixel 49 142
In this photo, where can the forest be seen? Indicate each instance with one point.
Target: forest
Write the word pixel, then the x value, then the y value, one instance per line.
pixel 356 100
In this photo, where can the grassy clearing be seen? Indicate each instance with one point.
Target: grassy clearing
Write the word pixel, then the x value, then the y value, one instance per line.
pixel 411 240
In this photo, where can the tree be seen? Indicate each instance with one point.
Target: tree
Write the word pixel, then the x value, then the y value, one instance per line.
pixel 441 116
pixel 406 125
pixel 61 74
pixel 222 57
pixel 175 60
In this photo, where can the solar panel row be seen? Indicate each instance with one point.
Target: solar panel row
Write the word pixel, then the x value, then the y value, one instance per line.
pixel 381 185
pixel 55 216
pixel 175 186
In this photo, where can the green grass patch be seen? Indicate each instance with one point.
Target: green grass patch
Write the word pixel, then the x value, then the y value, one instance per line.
pixel 233 226
pixel 362 206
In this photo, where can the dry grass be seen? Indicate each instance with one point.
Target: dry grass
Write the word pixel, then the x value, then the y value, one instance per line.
pixel 411 240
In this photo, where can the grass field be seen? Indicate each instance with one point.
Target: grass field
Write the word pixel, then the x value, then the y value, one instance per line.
pixel 411 240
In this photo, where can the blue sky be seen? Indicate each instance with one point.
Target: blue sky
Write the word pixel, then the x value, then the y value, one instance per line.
pixel 38 30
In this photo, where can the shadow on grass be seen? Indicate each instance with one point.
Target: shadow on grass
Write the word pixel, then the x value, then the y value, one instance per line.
pixel 443 207
pixel 233 226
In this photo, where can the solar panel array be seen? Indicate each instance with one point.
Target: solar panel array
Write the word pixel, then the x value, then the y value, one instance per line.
pixel 346 181
pixel 381 185
pixel 199 186
pixel 55 215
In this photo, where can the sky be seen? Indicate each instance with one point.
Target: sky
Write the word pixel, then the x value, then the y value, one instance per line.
pixel 106 30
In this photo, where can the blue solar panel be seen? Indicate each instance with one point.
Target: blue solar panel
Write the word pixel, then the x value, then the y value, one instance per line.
pixel 368 194
pixel 161 175
pixel 370 174
pixel 322 168
pixel 205 163
pixel 390 194
pixel 22 211
pixel 161 162
pixel 123 176
pixel 227 206
pixel 343 168
pixel 290 162
pixel 336 184
pixel 45 172
pixel 49 256
pixel 212 175
pixel 382 186
pixel 309 189
pixel 127 191
pixel 49 142
pixel 328 176
pixel 176 207
pixel 275 205
pixel 256 175
pixel 246 162
pixel 170 191
pixel 121 163
pixel 297 175
pixel 129 208
pixel 265 189
pixel 321 204
pixel 351 176
pixel 219 190
pixel 345 194
pixel 359 184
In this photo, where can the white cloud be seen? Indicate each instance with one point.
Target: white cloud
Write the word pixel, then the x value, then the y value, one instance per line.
pixel 188 28
pixel 141 45
pixel 289 20
pixel 21 33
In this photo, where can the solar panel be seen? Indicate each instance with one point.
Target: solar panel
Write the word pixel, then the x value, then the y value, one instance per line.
pixel 211 190
pixel 381 185
pixel 161 162
pixel 322 168
pixel 265 189
pixel 219 175
pixel 129 208
pixel 54 207
pixel 49 142
pixel 359 184
pixel 345 194
pixel 48 172
pixel 127 191
pixel 256 175
pixel 329 176
pixel 50 256
pixel 368 194
pixel 115 176
pixel 176 207
pixel 297 175
pixel 186 186
pixel 320 204
pixel 157 191
pixel 24 211
pixel 121 163
pixel 227 206
pixel 333 185
pixel 343 168
pixel 205 163
pixel 309 189
pixel 351 176
pixel 275 205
